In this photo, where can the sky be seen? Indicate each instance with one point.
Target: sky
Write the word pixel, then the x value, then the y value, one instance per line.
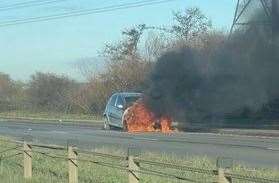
pixel 56 45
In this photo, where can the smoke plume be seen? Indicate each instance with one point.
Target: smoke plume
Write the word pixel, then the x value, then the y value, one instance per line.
pixel 241 73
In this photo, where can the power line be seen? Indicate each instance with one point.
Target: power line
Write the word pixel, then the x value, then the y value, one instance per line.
pixel 28 4
pixel 4 2
pixel 83 12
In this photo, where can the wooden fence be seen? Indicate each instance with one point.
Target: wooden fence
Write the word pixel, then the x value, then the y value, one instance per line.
pixel 133 168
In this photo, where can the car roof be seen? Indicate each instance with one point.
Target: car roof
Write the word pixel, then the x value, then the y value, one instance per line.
pixel 128 94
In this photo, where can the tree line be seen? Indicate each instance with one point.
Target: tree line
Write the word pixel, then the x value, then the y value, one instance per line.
pixel 128 65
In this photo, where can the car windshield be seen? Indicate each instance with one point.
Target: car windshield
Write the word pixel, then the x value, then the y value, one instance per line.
pixel 130 100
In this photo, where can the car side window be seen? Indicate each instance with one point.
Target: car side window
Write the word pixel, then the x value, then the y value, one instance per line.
pixel 113 100
pixel 119 101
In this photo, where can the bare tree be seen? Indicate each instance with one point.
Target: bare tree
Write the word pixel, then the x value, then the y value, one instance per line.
pixel 50 92
pixel 155 45
pixel 89 67
pixel 12 93
pixel 5 87
pixel 126 67
pixel 190 24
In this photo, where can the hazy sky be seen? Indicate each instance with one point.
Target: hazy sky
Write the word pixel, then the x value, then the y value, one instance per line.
pixel 54 46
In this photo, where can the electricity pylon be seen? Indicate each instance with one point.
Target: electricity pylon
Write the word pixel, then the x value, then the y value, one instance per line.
pixel 246 18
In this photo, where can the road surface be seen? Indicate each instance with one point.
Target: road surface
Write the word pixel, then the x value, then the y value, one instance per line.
pixel 252 151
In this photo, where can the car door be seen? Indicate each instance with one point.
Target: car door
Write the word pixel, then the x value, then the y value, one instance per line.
pixel 111 109
pixel 119 109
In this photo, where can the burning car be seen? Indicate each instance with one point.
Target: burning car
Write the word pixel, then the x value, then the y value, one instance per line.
pixel 115 108
pixel 129 112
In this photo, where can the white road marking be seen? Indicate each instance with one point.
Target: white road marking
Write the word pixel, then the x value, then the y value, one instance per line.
pixel 61 132
pixel 143 138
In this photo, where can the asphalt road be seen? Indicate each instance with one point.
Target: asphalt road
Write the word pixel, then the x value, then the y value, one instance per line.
pixel 252 151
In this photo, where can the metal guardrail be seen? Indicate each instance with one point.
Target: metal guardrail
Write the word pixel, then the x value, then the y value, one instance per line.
pixel 133 164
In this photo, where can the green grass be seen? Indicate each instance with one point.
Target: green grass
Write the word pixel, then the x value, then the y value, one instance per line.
pixel 51 116
pixel 49 170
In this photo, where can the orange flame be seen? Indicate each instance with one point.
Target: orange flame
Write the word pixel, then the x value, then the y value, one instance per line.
pixel 138 118
pixel 165 124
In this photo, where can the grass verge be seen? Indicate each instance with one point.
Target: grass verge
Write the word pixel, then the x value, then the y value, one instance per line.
pixel 48 116
pixel 54 170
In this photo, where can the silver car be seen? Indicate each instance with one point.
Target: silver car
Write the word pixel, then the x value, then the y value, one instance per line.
pixel 116 106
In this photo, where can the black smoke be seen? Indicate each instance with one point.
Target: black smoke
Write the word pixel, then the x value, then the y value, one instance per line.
pixel 275 17
pixel 241 73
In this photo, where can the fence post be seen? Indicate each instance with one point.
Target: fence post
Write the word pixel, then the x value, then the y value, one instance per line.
pixel 27 160
pixel 133 166
pixel 73 166
pixel 1 168
pixel 222 178
pixel 223 165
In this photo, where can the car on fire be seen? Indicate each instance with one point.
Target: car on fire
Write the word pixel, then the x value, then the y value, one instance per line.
pixel 116 106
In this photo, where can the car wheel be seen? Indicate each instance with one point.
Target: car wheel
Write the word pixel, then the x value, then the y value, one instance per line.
pixel 106 124
pixel 125 126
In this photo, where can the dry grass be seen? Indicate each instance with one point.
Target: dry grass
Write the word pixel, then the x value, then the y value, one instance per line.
pixel 49 116
pixel 49 170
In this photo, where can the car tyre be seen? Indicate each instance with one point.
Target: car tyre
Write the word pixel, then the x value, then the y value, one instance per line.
pixel 125 126
pixel 106 124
